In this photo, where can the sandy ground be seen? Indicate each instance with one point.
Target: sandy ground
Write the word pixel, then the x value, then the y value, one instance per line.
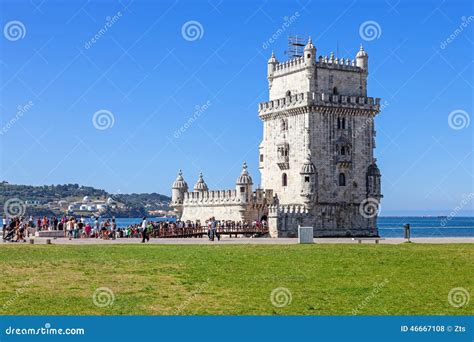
pixel 241 241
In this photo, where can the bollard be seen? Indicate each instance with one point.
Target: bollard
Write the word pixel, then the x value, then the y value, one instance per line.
pixel 48 241
pixel 406 228
pixel 32 241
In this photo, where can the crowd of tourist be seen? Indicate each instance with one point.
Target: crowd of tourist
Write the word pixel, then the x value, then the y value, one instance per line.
pixel 17 229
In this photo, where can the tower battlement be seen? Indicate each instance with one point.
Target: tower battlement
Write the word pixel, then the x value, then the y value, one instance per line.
pixel 291 65
pixel 319 99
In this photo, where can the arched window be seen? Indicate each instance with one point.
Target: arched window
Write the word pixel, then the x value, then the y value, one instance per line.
pixel 284 125
pixel 338 123
pixel 334 91
pixel 343 151
pixel 342 179
pixel 343 123
pixel 284 179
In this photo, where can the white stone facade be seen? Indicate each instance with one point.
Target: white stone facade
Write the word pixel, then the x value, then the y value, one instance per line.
pixel 316 157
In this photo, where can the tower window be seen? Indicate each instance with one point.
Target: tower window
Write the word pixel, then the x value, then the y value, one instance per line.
pixel 261 158
pixel 343 123
pixel 284 125
pixel 343 150
pixel 306 179
pixel 334 91
pixel 284 179
pixel 242 189
pixel 288 93
pixel 338 123
pixel 342 179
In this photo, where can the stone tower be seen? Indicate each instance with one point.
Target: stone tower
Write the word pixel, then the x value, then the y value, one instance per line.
pixel 318 142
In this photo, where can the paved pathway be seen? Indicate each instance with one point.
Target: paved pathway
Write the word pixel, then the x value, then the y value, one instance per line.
pixel 241 241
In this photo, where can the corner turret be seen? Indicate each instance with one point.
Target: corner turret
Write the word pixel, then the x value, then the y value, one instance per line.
pixel 179 188
pixel 362 59
pixel 243 185
pixel 308 182
pixel 272 63
pixel 201 185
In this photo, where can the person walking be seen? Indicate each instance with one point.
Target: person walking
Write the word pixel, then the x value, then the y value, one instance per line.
pixel 144 231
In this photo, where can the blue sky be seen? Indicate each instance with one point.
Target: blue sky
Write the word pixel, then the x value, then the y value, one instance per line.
pixel 144 74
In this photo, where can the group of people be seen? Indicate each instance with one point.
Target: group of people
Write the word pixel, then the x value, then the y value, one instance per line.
pixel 16 229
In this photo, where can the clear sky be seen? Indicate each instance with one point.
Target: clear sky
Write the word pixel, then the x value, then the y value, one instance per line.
pixel 158 65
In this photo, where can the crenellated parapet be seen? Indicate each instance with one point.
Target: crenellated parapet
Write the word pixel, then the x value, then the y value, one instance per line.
pixel 225 197
pixel 332 62
pixel 291 65
pixel 319 100
pixel 211 196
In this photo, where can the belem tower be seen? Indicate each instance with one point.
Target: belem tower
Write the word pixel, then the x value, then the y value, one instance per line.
pixel 316 157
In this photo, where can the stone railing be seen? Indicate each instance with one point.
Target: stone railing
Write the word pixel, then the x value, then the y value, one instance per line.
pixel 287 209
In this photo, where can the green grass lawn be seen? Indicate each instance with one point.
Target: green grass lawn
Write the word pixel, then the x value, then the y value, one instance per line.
pixel 235 279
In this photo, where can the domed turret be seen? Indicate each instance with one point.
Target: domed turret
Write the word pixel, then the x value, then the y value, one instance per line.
pixel 309 53
pixel 272 63
pixel 244 177
pixel 362 59
pixel 180 183
pixel 178 189
pixel 373 181
pixel 308 181
pixel 201 184
pixel 308 167
pixel 243 185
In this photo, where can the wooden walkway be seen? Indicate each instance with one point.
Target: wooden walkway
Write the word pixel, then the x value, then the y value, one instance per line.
pixel 202 231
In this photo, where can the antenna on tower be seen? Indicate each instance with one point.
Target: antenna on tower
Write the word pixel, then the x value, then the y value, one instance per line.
pixel 296 46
